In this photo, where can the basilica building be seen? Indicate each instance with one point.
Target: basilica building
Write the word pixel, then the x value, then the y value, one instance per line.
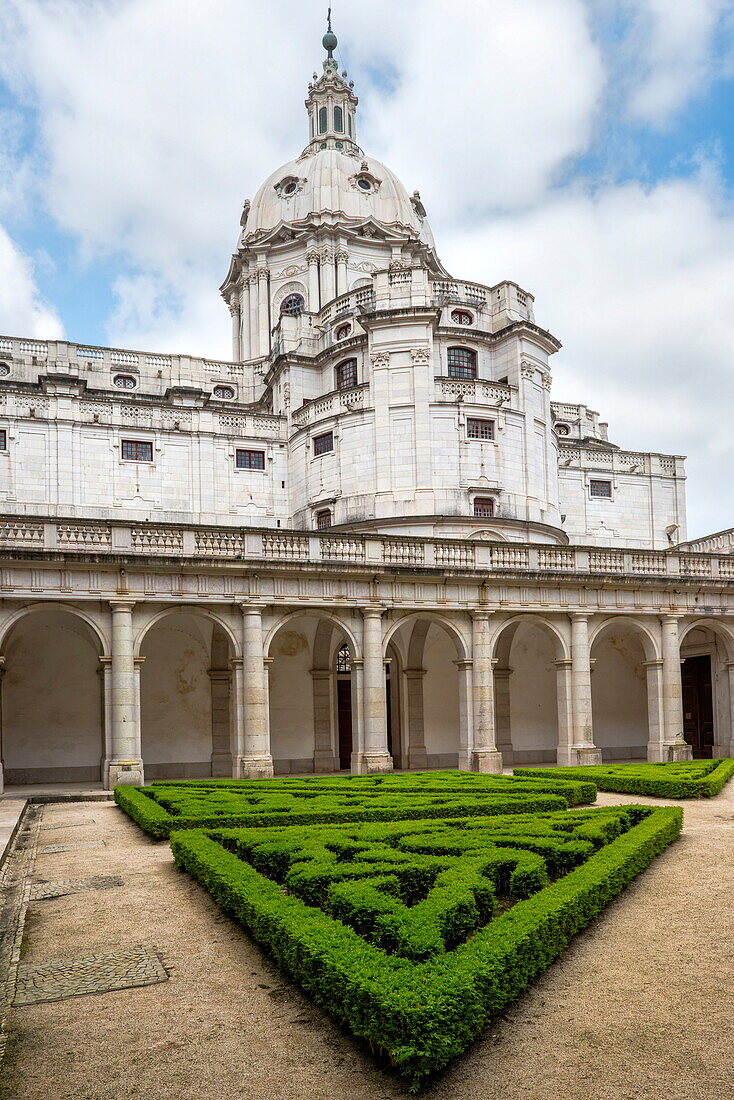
pixel 371 540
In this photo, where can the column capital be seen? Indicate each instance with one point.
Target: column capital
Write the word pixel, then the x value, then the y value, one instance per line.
pixel 563 663
pixel 122 605
pixel 579 616
pixel 414 673
pixel 138 662
pixel 372 612
pixel 670 617
pixel 253 608
pixel 480 615
pixel 464 662
pixel 658 662
pixel 729 665
pixel 321 673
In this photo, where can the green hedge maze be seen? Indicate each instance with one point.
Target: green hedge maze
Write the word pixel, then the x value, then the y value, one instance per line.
pixel 690 779
pixel 415 932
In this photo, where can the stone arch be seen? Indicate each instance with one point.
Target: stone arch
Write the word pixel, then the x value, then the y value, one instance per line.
pixel 716 626
pixel 707 684
pixel 531 658
pixel 320 613
pixel 294 286
pixel 94 631
pixel 190 609
pixel 625 659
pixel 52 696
pixel 461 642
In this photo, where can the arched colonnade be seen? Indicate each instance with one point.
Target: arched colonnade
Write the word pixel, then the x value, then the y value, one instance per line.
pixel 122 690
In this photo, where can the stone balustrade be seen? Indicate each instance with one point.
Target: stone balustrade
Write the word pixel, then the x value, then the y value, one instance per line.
pixel 91 537
pixel 331 404
pixel 475 390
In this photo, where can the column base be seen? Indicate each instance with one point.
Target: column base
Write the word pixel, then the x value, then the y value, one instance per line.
pixel 122 773
pixel 570 756
pixel 371 763
pixel 678 751
pixel 2 779
pixel 221 765
pixel 417 758
pixel 657 752
pixel 253 767
pixel 488 761
pixel 325 762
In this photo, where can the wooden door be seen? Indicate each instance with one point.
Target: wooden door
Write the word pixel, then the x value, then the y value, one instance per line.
pixel 344 718
pixel 698 706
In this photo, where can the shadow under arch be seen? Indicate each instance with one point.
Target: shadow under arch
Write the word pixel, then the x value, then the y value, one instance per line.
pixel 625 662
pixel 461 643
pixel 315 613
pixel 196 611
pixel 93 631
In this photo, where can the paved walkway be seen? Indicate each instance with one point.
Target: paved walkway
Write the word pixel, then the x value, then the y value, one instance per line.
pixel 640 1005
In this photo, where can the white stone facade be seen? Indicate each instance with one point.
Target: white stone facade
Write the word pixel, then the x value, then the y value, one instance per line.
pixel 164 523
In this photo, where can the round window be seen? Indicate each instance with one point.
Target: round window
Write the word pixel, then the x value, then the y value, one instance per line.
pixel 4 369
pixel 462 317
pixel 124 381
pixel 343 331
pixel 290 188
pixel 563 429
pixel 224 393
pixel 366 185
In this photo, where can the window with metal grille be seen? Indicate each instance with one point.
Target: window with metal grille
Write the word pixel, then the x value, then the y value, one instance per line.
pixel 344 660
pixel 224 393
pixel 322 444
pixel 323 519
pixel 4 369
pixel 342 332
pixel 462 317
pixel 600 489
pixel 479 429
pixel 293 305
pixel 3 440
pixel 462 363
pixel 346 374
pixel 124 381
pixel 323 120
pixel 249 460
pixel 135 450
pixel 484 507
pixel 339 120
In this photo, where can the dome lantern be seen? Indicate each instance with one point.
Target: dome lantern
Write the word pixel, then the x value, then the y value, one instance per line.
pixel 332 104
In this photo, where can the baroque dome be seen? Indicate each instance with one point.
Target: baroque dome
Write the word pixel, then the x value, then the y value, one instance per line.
pixel 334 186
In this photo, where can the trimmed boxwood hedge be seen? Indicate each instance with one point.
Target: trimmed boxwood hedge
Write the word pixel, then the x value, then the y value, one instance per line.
pixel 687 779
pixel 412 997
pixel 163 807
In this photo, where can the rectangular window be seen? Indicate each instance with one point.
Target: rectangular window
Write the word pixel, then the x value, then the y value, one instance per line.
pixel 249 460
pixel 3 440
pixel 322 444
pixel 479 429
pixel 462 363
pixel 601 489
pixel 346 374
pixel 135 450
pixel 484 507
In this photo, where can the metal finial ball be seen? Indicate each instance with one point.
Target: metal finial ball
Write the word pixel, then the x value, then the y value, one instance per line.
pixel 330 41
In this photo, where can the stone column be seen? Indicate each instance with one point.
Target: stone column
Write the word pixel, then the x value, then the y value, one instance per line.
pixel 245 345
pixel 565 753
pixel 237 730
pixel 125 764
pixel 220 680
pixel 729 666
pixel 503 714
pixel 263 311
pixel 312 258
pixel 485 757
pixel 675 743
pixel 417 757
pixel 465 756
pixel 583 726
pixel 323 748
pixel 342 257
pixel 234 310
pixel 358 714
pixel 327 276
pixel 2 760
pixel 656 750
pixel 254 318
pixel 255 761
pixel 374 756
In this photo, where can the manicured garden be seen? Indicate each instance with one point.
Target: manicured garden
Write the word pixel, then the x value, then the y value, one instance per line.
pixel 687 779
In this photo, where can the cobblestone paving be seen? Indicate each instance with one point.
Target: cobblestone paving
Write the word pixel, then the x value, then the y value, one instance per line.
pixel 49 849
pixel 41 890
pixel 55 981
pixel 68 824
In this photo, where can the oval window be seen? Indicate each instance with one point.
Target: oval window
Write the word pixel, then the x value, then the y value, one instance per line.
pixel 4 369
pixel 224 393
pixel 462 317
pixel 343 331
pixel 124 381
pixel 290 188
pixel 366 185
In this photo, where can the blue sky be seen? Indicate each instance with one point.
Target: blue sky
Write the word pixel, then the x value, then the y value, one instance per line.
pixel 582 148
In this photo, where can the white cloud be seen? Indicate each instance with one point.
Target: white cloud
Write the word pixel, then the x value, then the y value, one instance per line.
pixel 639 285
pixel 21 309
pixel 673 44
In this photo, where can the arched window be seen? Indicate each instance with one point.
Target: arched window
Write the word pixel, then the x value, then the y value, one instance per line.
pixel 125 382
pixel 462 363
pixel 342 332
pixel 339 120
pixel 323 120
pixel 344 661
pixel 349 124
pixel 462 317
pixel 323 519
pixel 346 374
pixel 293 305
pixel 484 507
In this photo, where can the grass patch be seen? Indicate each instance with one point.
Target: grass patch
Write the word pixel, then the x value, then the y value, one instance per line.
pixel 163 807
pixel 390 926
pixel 687 779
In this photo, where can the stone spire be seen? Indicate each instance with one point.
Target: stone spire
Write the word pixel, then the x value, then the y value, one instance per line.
pixel 332 104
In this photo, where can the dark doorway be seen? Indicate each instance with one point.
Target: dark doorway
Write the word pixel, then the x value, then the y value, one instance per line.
pixel 698 706
pixel 344 717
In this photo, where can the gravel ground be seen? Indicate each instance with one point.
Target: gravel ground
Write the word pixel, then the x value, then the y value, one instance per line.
pixel 640 1005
